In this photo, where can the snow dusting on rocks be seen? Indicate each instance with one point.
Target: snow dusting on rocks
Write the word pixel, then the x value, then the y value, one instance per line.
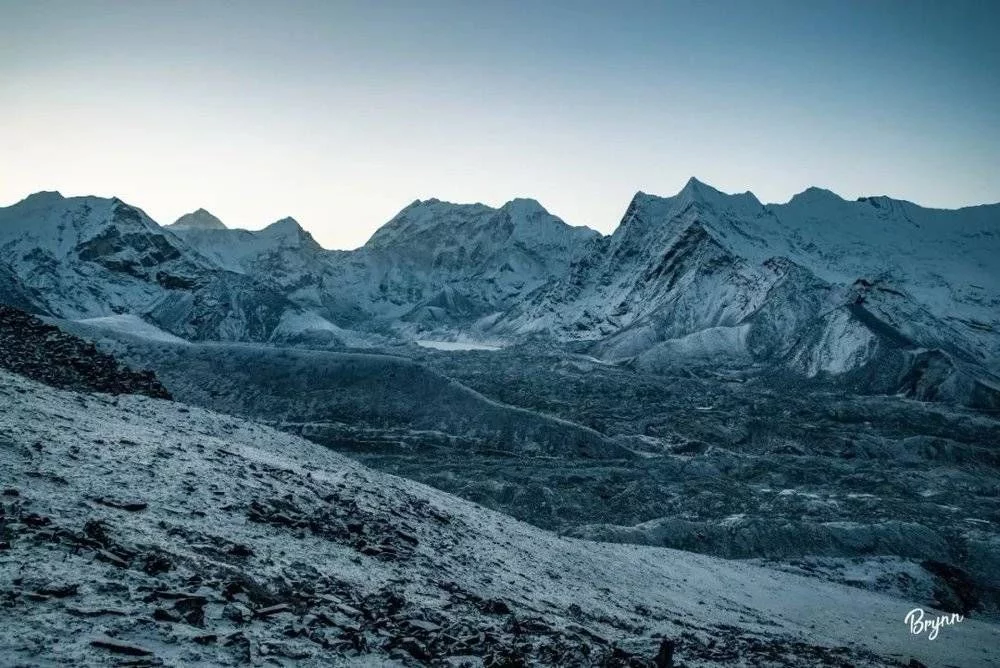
pixel 145 531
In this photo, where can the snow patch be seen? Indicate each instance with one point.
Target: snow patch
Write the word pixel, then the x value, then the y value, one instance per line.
pixel 132 325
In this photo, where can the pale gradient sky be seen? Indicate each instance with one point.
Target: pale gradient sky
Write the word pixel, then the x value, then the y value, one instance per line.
pixel 341 113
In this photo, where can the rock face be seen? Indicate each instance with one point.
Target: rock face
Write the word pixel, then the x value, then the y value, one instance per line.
pixel 88 256
pixel 34 349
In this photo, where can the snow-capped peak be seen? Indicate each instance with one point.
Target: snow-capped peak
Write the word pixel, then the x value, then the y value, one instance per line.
pixel 523 206
pixel 288 232
pixel 696 188
pixel 286 225
pixel 44 196
pixel 653 211
pixel 38 202
pixel 200 219
pixel 427 216
pixel 698 191
pixel 814 194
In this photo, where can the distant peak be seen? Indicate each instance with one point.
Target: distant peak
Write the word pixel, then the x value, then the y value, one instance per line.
pixel 286 224
pixel 200 219
pixel 438 204
pixel 875 200
pixel 44 196
pixel 523 206
pixel 812 194
pixel 50 194
pixel 696 189
pixel 699 191
pixel 288 232
pixel 693 182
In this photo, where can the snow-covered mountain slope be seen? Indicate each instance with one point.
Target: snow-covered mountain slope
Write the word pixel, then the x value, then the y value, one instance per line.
pixel 88 257
pixel 282 248
pixel 441 266
pixel 130 325
pixel 874 291
pixel 820 286
pixel 285 257
pixel 144 530
pixel 434 266
pixel 14 293
pixel 662 253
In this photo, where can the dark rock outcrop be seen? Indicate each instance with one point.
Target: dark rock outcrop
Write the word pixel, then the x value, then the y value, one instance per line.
pixel 45 353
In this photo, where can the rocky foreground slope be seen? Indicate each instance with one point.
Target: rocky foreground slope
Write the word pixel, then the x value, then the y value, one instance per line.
pixel 145 531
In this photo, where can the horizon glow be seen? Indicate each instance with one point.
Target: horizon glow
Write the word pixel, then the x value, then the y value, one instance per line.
pixel 339 114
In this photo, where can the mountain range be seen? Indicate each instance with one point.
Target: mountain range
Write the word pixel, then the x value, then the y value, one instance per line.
pixel 879 295
pixel 718 376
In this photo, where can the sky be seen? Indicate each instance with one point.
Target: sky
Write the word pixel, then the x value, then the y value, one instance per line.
pixel 341 113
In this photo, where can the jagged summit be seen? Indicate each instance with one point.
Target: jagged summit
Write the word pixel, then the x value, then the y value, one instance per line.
pixel 200 219
pixel 424 216
pixel 656 210
pixel 885 202
pixel 40 201
pixel 433 203
pixel 698 191
pixel 696 188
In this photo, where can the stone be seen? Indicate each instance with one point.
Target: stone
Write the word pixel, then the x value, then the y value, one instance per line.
pixel 273 610
pixel 118 647
pixel 110 558
pixel 665 657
